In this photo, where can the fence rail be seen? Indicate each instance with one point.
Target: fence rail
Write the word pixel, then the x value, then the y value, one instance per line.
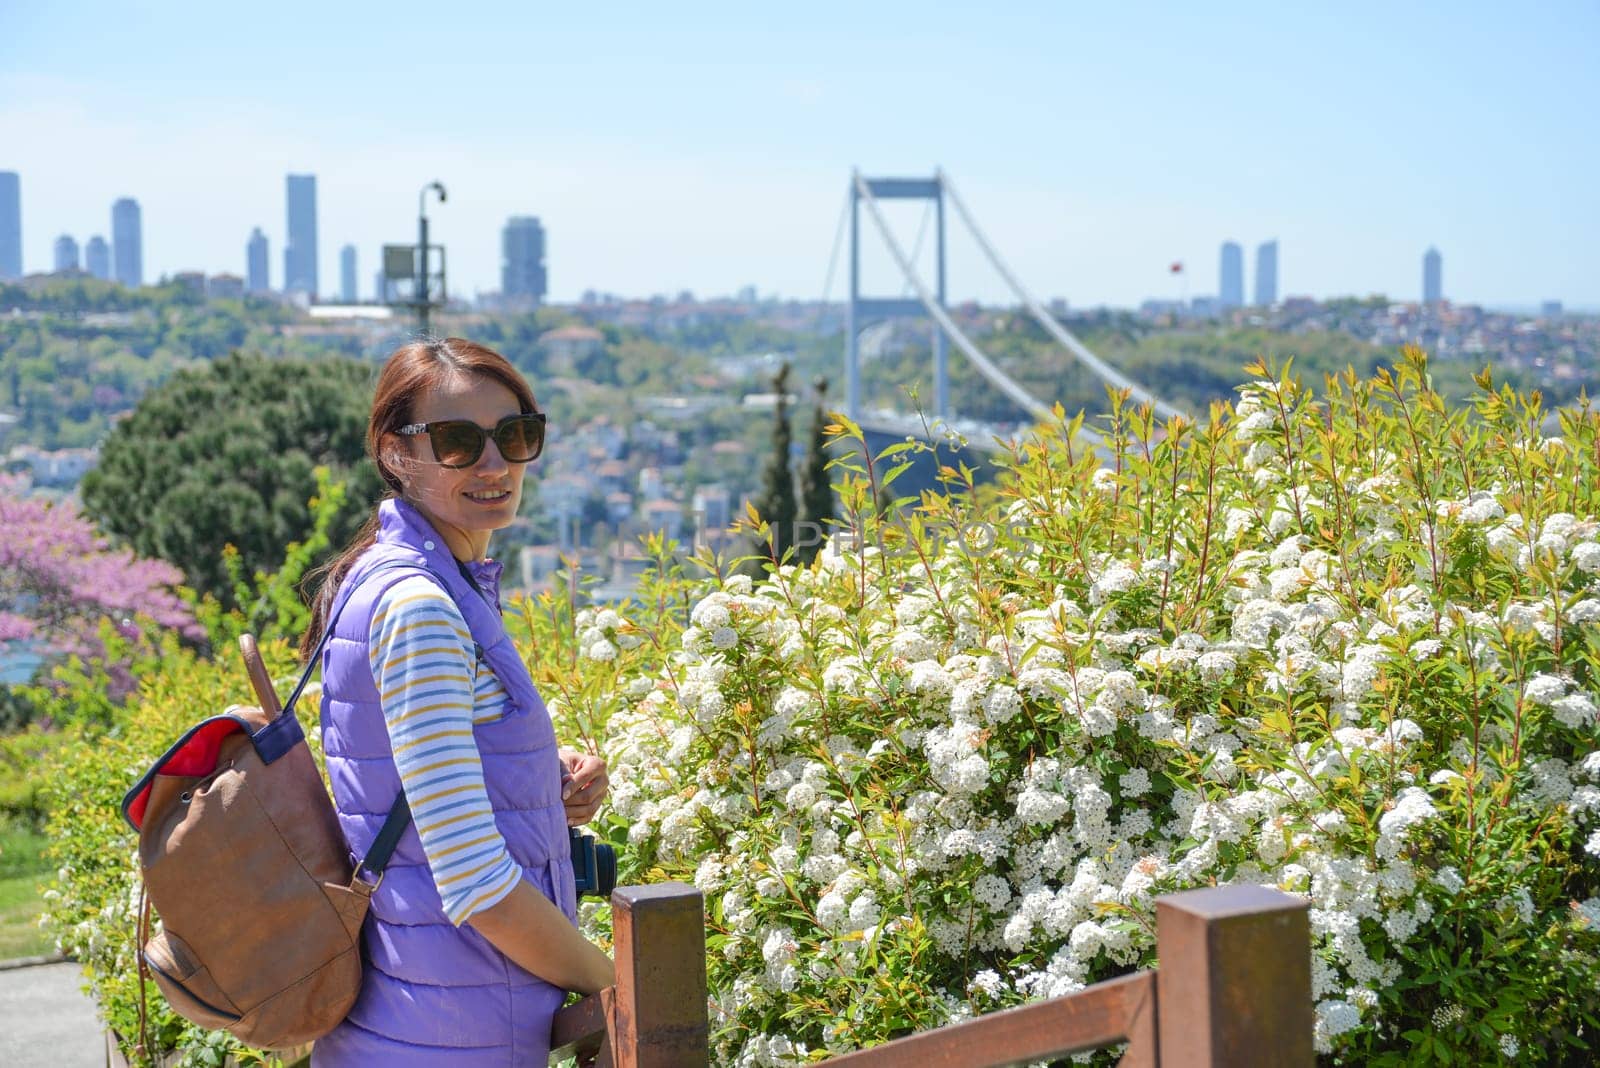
pixel 1233 988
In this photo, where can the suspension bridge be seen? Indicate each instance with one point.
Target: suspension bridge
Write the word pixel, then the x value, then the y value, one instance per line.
pixel 867 315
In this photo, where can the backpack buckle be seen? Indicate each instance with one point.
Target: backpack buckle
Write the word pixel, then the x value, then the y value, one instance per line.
pixel 358 885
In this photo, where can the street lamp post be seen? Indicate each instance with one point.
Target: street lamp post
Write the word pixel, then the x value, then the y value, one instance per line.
pixel 422 250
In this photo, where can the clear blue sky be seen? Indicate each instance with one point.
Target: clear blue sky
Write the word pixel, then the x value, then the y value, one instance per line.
pixel 705 146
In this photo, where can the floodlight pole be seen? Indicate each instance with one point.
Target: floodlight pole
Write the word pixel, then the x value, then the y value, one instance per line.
pixel 423 306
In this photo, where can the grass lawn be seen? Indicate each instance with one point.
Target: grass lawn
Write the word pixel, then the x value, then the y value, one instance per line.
pixel 23 872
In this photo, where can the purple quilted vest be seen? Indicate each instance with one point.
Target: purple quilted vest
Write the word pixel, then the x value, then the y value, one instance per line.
pixel 435 994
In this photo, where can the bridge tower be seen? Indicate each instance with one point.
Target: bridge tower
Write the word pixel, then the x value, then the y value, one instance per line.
pixel 863 312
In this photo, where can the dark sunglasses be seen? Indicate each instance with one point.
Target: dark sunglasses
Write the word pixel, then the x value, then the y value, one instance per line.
pixel 459 442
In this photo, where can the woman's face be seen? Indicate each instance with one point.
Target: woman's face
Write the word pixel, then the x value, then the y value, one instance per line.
pixel 464 504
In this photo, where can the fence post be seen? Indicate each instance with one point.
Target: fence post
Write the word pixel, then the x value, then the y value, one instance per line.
pixel 659 1006
pixel 1234 983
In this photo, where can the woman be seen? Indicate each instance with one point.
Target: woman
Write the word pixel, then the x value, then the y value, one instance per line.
pixel 471 938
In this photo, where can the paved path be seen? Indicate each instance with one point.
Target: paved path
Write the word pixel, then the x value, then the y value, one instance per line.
pixel 46 1020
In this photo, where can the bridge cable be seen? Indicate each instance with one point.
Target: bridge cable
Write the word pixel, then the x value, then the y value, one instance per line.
pixel 1106 373
pixel 1032 405
pixel 833 258
pixel 916 246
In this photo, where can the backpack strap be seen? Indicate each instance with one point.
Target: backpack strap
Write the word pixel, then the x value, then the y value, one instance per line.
pixel 333 615
pixel 399 818
pixel 383 846
pixel 284 733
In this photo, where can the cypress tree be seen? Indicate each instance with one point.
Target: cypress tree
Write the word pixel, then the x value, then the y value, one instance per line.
pixel 777 503
pixel 816 490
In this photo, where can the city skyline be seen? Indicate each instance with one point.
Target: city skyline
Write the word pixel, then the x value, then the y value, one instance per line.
pixel 300 273
pixel 349 290
pixel 257 271
pixel 66 254
pixel 522 263
pixel 97 258
pixel 523 271
pixel 127 241
pixel 1230 276
pixel 683 150
pixel 1266 273
pixel 10 225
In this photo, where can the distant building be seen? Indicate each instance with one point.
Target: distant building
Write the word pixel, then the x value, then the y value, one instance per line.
pixel 1230 286
pixel 712 510
pixel 568 346
pixel 58 467
pixel 97 257
pixel 10 225
pixel 651 485
pixel 127 243
pixel 67 254
pixel 1432 277
pixel 300 254
pixel 256 278
pixel 1267 274
pixel 1550 309
pixel 347 274
pixel 664 516
pixel 225 287
pixel 522 269
pixel 193 281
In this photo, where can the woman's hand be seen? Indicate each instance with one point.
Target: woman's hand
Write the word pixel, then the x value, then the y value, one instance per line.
pixel 584 785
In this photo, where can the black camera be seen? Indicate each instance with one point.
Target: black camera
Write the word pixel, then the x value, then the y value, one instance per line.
pixel 594 864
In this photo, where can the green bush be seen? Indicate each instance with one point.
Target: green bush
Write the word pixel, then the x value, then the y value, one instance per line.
pixel 23 755
pixel 1343 644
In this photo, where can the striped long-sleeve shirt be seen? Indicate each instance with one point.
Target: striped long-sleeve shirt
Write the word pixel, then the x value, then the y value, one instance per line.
pixel 433 687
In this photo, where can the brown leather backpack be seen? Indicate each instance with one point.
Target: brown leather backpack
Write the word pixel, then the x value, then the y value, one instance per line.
pixel 245 864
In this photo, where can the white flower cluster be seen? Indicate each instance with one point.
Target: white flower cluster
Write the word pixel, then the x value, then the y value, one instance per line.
pixel 602 633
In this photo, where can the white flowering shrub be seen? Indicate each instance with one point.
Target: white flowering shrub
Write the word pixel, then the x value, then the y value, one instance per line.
pixel 1344 645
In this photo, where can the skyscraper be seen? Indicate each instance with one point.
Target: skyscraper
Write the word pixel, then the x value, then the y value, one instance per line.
pixel 1267 273
pixel 10 225
pixel 300 254
pixel 347 274
pixel 127 243
pixel 522 274
pixel 1432 277
pixel 1230 288
pixel 97 257
pixel 67 253
pixel 255 257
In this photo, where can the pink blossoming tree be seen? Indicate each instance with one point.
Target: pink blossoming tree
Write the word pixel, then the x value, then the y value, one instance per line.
pixel 59 577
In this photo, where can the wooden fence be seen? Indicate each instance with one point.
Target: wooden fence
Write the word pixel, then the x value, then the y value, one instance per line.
pixel 1233 989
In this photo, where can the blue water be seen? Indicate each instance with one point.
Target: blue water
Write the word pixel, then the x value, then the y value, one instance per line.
pixel 17 661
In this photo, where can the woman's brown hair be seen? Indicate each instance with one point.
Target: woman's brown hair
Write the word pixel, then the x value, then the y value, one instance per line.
pixel 410 371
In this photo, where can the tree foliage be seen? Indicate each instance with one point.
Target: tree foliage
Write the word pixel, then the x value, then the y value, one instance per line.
pixel 816 491
pixel 225 455
pixel 777 505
